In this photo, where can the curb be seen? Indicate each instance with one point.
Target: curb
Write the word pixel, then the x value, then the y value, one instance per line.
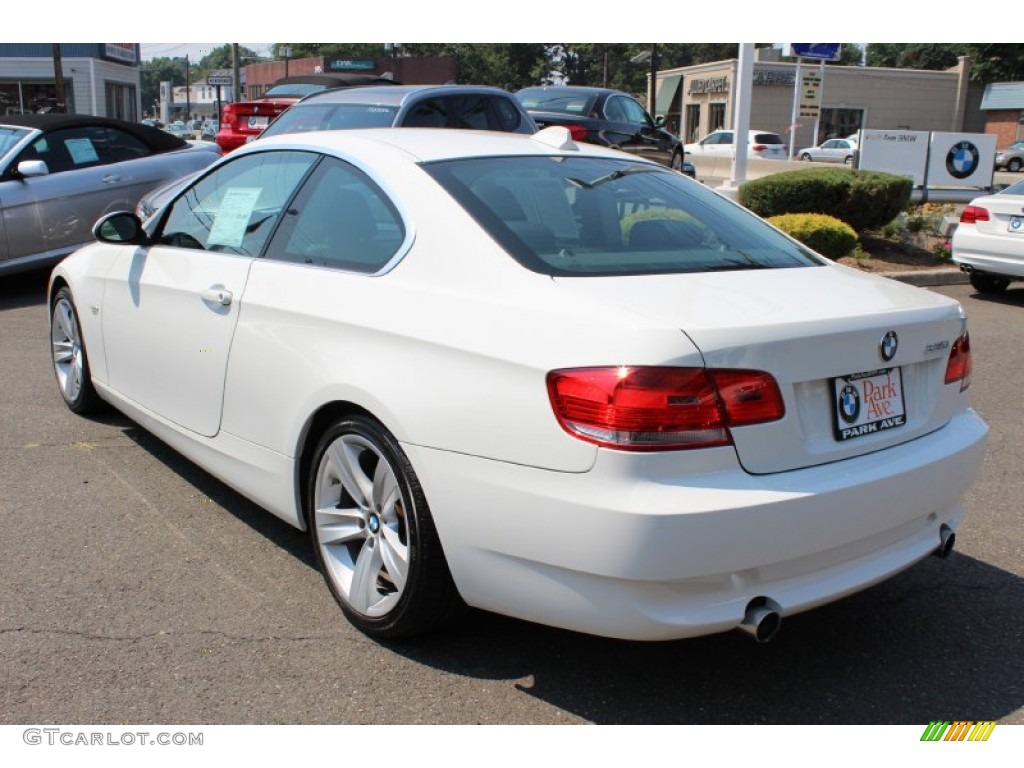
pixel 926 277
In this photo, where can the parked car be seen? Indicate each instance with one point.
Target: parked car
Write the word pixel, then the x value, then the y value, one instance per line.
pixel 209 129
pixel 1011 158
pixel 243 121
pixel 763 144
pixel 988 243
pixel 831 151
pixel 537 376
pixel 196 125
pixel 474 107
pixel 59 173
pixel 607 118
pixel 179 129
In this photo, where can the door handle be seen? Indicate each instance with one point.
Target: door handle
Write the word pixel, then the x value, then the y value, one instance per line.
pixel 111 179
pixel 220 296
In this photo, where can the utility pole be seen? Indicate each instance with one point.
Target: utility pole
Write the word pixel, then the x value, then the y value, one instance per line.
pixel 58 79
pixel 237 91
pixel 188 92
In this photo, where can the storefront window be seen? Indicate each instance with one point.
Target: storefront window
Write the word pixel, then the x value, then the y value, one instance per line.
pixel 121 102
pixel 716 117
pixel 26 97
pixel 839 123
pixel 692 123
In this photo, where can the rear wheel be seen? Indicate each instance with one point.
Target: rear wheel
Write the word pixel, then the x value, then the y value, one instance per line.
pixel 70 362
pixel 1014 165
pixel 805 157
pixel 988 283
pixel 848 160
pixel 374 535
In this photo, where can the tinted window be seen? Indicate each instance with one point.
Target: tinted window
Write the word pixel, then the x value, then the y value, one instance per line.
pixel 589 216
pixel 84 147
pixel 767 138
pixel 625 110
pixel 556 100
pixel 1014 189
pixel 326 117
pixel 481 112
pixel 234 209
pixel 340 219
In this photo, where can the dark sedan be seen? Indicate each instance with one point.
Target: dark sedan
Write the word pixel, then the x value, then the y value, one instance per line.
pixel 606 117
pixel 59 173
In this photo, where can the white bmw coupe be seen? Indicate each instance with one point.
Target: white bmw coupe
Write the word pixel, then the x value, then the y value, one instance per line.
pixel 536 377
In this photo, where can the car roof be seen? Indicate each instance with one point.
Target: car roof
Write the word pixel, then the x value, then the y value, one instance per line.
pixel 156 139
pixel 396 95
pixel 580 90
pixel 424 145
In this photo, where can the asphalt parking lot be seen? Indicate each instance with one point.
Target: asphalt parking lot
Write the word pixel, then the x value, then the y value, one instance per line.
pixel 135 588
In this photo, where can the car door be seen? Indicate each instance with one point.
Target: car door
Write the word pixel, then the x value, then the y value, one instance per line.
pixel 640 137
pixel 54 213
pixel 170 309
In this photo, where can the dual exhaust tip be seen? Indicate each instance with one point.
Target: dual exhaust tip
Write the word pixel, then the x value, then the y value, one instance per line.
pixel 763 616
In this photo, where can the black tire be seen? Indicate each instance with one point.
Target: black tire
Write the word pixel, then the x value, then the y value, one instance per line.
pixel 376 536
pixel 1014 165
pixel 69 357
pixel 805 157
pixel 848 160
pixel 988 283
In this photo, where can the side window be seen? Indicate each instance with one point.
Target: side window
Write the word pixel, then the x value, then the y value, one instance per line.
pixel 635 113
pixel 234 209
pixel 725 137
pixel 615 110
pixel 340 219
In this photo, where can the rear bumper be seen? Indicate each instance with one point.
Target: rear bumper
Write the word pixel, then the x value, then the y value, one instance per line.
pixel 676 545
pixel 997 254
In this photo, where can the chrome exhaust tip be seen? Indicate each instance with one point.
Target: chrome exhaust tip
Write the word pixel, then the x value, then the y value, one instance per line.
pixel 947 539
pixel 966 269
pixel 762 619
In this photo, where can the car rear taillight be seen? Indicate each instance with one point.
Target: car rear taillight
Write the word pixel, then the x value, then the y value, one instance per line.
pixel 759 147
pixel 577 132
pixel 959 366
pixel 973 213
pixel 657 409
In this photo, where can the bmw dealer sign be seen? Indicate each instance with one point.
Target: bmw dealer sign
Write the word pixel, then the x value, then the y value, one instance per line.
pixel 961 159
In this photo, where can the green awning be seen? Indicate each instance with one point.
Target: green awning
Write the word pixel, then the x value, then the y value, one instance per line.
pixel 667 87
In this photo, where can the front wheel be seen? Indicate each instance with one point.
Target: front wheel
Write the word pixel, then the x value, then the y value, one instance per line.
pixel 373 533
pixel 70 362
pixel 805 157
pixel 988 283
pixel 1014 165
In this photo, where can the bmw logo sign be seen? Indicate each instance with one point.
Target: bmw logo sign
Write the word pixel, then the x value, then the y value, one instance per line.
pixel 887 349
pixel 849 404
pixel 962 160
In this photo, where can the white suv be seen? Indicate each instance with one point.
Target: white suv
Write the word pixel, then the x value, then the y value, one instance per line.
pixel 759 144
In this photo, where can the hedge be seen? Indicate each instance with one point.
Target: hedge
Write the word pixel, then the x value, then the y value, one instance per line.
pixel 863 199
pixel 825 234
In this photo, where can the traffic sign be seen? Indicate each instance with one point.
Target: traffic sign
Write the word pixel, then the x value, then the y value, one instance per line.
pixel 816 51
pixel 220 80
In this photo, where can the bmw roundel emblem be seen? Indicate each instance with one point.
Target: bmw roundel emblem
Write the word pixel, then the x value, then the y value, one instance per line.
pixel 962 160
pixel 887 349
pixel 849 404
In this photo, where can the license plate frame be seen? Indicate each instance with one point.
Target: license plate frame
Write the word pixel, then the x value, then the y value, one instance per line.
pixel 867 403
pixel 258 122
pixel 1016 224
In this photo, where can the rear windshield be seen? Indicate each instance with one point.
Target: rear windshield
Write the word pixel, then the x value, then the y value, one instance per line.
pixel 595 216
pixel 293 90
pixel 556 100
pixel 325 117
pixel 767 138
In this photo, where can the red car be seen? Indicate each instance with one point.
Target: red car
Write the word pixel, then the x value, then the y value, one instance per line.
pixel 243 121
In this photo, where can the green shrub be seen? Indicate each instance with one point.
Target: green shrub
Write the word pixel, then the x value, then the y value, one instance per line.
pixel 863 199
pixel 825 234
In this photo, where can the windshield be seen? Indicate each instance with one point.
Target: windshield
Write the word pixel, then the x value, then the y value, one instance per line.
pixel 326 117
pixel 597 216
pixel 9 137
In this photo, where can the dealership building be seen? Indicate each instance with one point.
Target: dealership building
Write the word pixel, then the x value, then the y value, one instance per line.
pixel 699 99
pixel 99 78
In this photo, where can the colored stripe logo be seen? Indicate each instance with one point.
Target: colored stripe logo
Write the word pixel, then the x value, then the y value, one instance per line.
pixel 958 730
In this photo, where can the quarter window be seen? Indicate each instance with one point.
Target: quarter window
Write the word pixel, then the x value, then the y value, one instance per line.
pixel 340 219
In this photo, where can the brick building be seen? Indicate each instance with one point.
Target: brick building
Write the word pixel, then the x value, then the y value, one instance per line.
pixel 1003 107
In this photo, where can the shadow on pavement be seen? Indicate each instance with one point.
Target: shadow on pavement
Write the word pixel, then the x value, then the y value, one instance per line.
pixel 25 289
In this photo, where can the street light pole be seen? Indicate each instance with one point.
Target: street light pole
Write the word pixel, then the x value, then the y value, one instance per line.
pixel 188 92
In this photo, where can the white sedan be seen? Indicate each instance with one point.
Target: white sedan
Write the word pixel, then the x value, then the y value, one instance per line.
pixel 541 378
pixel 988 243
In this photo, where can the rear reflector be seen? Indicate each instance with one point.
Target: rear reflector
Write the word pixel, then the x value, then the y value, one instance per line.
pixel 973 213
pixel 656 409
pixel 960 366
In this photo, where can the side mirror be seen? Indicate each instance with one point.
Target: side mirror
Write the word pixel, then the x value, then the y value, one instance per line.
pixel 30 168
pixel 659 121
pixel 120 228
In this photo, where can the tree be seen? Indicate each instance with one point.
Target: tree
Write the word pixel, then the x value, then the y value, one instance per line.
pixel 996 62
pixel 156 71
pixel 913 55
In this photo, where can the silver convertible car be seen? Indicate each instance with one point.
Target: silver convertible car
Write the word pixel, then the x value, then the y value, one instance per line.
pixel 59 173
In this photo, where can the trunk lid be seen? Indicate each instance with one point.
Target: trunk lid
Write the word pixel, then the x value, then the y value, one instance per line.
pixel 809 327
